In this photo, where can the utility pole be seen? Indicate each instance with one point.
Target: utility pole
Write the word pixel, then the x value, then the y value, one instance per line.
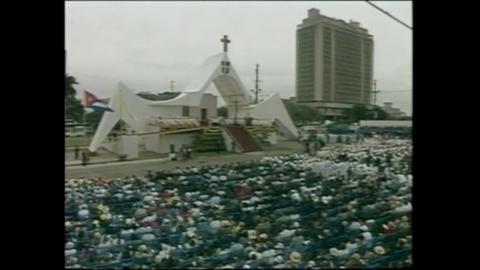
pixel 235 115
pixel 257 90
pixel 171 85
pixel 375 92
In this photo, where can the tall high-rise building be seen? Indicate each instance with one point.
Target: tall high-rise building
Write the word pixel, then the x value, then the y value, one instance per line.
pixel 334 64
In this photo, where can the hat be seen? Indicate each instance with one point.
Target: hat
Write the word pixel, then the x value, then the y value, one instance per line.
pixel 148 237
pixel 142 248
pixel 227 223
pixel 334 251
pixel 236 247
pixel 286 233
pixel 69 245
pixel 295 256
pixel 295 216
pixel 161 255
pixel 215 224
pixel 367 235
pixel 379 250
pixel 252 234
pixel 254 255
pixel 72 260
pixel 104 217
pixel 83 213
pixel 268 253
pixel 70 252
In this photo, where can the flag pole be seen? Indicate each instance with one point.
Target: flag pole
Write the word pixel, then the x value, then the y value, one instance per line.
pixel 85 126
pixel 85 140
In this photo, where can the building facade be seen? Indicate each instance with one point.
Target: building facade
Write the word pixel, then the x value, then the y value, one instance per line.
pixel 334 67
pixel 392 111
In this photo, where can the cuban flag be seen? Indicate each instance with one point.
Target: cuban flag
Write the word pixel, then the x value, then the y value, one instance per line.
pixel 91 101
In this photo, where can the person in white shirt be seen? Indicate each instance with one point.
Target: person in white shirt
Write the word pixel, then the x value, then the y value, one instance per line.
pixel 172 156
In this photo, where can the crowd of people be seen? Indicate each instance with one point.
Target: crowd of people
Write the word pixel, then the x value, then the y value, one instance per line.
pixel 348 206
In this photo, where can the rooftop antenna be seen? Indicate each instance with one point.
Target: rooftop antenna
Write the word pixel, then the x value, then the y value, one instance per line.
pixel 256 90
pixel 375 92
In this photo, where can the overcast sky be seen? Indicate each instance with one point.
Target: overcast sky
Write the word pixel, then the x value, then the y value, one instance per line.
pixel 148 44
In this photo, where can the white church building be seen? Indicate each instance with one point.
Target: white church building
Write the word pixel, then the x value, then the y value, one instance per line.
pixel 164 126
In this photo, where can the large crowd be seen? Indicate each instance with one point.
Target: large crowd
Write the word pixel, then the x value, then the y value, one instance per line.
pixel 345 207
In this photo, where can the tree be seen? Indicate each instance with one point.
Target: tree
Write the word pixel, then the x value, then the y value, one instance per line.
pixel 119 125
pixel 308 114
pixel 93 119
pixel 73 106
pixel 405 118
pixel 359 112
pixel 379 114
pixel 302 114
pixel 69 82
pixel 223 112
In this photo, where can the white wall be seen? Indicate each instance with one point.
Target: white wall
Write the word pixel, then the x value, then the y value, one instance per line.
pixel 177 139
pixel 152 142
pixel 195 112
pixel 272 138
pixel 208 102
pixel 111 146
pixel 271 109
pixel 168 111
pixel 385 123
pixel 128 146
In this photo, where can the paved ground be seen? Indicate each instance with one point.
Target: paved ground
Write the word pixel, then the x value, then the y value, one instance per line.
pixel 103 156
pixel 110 167
pixel 140 167
pixel 106 157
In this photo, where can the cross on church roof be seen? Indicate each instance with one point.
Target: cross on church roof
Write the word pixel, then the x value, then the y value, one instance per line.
pixel 225 42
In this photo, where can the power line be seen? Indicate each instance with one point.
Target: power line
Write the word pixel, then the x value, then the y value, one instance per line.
pixel 409 90
pixel 395 91
pixel 389 15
